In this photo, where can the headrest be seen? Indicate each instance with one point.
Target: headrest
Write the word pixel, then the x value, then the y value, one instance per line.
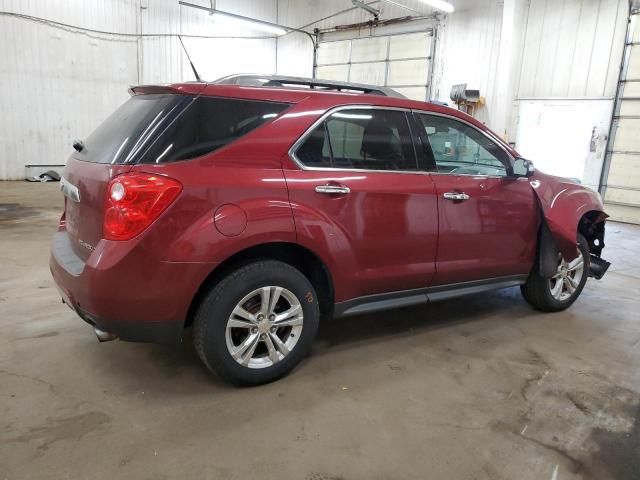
pixel 377 138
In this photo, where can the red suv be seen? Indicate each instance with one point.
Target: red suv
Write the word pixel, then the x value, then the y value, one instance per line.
pixel 254 206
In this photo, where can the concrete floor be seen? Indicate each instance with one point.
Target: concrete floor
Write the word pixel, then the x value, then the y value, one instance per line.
pixel 478 388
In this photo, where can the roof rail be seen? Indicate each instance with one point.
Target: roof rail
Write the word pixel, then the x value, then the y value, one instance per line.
pixel 256 80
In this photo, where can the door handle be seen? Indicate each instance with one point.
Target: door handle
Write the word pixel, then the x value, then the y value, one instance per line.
pixel 456 197
pixel 333 189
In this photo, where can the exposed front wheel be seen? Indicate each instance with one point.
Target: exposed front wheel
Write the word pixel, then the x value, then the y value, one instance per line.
pixel 564 287
pixel 258 323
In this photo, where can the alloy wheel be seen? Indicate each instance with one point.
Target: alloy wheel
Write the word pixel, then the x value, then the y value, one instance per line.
pixel 567 278
pixel 264 327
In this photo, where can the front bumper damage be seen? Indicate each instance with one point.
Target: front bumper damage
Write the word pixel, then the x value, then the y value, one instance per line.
pixel 598 267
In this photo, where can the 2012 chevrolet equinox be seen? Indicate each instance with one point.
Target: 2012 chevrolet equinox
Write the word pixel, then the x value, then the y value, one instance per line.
pixel 253 211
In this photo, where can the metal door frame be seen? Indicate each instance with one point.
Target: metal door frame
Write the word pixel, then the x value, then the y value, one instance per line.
pixel 634 13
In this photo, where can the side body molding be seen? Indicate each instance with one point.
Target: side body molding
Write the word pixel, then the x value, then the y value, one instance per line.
pixel 563 204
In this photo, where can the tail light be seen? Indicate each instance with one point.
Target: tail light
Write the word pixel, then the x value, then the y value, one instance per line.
pixel 134 201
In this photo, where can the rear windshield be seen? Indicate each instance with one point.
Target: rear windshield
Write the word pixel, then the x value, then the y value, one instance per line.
pixel 162 128
pixel 130 129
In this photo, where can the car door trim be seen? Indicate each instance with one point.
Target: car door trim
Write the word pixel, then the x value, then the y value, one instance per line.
pixel 386 301
pixel 332 189
pixel 323 117
pixel 490 136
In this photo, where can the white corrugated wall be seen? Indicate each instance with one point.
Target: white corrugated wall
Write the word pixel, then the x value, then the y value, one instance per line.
pixel 570 65
pixel 468 44
pixel 58 84
pixel 572 48
pixel 468 52
pixel 547 68
pixel 523 55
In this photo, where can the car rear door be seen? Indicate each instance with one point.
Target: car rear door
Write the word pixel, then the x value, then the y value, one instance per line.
pixel 359 200
pixel 109 151
pixel 487 218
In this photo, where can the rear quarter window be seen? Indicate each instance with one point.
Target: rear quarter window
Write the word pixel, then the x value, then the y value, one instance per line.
pixel 161 128
pixel 210 123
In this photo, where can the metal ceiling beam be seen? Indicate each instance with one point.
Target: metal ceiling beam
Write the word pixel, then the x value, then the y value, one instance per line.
pixel 366 8
pixel 242 17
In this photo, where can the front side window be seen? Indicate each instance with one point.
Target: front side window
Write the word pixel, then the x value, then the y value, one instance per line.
pixel 367 139
pixel 460 149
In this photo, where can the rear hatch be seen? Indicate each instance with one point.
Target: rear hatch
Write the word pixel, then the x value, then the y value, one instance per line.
pixel 113 148
pixel 156 126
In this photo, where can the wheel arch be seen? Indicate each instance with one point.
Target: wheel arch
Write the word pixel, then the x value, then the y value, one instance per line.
pixel 564 205
pixel 590 225
pixel 293 254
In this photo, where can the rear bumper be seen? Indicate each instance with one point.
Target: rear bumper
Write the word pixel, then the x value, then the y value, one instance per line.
pixel 166 333
pixel 123 290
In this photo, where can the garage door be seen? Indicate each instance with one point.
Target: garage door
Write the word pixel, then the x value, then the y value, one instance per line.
pixel 401 61
pixel 622 177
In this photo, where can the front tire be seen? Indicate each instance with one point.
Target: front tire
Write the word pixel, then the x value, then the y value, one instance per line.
pixel 560 291
pixel 257 324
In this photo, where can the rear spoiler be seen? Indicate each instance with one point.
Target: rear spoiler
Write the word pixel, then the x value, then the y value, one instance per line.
pixel 191 88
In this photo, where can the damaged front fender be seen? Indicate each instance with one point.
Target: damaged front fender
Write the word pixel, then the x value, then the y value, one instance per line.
pixel 564 204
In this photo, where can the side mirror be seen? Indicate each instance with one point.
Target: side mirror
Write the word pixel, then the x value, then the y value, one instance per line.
pixel 523 168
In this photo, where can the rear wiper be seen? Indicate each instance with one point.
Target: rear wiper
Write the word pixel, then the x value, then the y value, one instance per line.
pixel 78 145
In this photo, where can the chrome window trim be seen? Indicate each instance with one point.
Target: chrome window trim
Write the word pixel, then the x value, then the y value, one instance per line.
pixel 472 175
pixel 323 117
pixel 490 136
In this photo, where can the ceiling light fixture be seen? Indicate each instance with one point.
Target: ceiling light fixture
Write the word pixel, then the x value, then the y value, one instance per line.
pixel 440 5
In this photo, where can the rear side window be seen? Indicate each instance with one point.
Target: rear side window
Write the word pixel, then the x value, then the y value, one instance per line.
pixel 367 139
pixel 208 124
pixel 161 128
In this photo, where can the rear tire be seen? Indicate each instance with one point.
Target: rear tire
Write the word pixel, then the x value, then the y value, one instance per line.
pixel 257 323
pixel 559 292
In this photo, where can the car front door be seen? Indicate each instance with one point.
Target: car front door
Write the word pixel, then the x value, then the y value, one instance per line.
pixel 488 218
pixel 359 200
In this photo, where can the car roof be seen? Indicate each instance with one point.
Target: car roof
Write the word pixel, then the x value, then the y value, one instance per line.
pixel 257 80
pixel 290 94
